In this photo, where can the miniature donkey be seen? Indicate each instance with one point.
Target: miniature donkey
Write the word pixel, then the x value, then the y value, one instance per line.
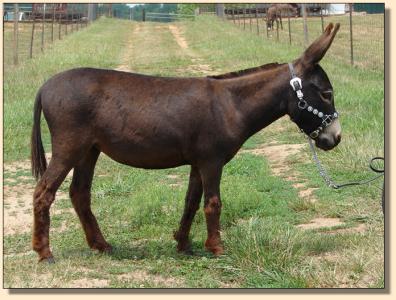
pixel 159 122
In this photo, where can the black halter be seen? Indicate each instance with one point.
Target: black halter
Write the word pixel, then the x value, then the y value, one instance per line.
pixel 296 84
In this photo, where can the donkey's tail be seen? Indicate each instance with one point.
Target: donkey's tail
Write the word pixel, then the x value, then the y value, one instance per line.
pixel 38 161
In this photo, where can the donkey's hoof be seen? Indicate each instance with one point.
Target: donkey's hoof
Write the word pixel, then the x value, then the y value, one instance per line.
pixel 185 250
pixel 106 248
pixel 50 260
pixel 216 250
pixel 184 247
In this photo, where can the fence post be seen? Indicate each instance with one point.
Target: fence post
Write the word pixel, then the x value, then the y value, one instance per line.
pixel 350 30
pixel 52 24
pixel 143 15
pixel 244 21
pixel 220 10
pixel 266 23
pixel 60 26
pixel 80 17
pixel 304 10
pixel 321 18
pixel 72 17
pixel 250 18
pixel 288 22
pixel 32 36
pixel 257 21
pixel 92 12
pixel 42 30
pixel 15 42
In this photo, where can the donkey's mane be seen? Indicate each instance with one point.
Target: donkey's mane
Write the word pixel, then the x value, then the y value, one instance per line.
pixel 245 72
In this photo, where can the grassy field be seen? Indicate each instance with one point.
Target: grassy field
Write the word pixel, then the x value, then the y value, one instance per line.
pixel 52 33
pixel 269 201
pixel 367 32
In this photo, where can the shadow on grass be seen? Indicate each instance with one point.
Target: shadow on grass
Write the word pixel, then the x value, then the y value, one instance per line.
pixel 154 249
pixel 138 250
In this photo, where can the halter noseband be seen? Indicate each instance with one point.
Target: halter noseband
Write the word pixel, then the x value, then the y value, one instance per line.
pixel 296 84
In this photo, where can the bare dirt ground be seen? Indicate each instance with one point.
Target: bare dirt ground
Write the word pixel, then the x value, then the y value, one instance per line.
pixel 18 198
pixel 278 156
pixel 197 65
pixel 125 66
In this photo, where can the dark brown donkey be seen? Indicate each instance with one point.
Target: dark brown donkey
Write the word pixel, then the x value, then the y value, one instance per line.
pixel 155 122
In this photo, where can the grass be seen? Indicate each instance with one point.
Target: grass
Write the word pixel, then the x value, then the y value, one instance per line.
pixel 99 45
pixel 138 210
pixel 52 33
pixel 367 37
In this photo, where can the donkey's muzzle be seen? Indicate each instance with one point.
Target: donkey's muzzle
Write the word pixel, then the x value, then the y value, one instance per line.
pixel 326 142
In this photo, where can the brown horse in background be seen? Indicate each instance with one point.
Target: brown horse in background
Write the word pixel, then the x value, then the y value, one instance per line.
pixel 275 12
pixel 160 122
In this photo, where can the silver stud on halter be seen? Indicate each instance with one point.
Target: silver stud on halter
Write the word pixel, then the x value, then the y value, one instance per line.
pixel 296 84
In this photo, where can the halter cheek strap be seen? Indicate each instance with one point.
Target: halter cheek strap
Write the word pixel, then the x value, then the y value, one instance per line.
pixel 296 84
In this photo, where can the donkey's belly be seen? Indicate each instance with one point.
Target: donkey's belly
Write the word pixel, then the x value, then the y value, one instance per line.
pixel 154 156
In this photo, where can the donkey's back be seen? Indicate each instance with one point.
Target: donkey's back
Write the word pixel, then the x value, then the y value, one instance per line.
pixel 139 120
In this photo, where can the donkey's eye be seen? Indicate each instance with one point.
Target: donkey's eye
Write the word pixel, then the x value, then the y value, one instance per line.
pixel 327 95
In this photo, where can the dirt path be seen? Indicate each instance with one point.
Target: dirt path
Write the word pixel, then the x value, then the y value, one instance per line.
pixel 197 66
pixel 127 54
pixel 278 156
pixel 18 199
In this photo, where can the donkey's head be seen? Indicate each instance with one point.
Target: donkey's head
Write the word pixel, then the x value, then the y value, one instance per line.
pixel 311 104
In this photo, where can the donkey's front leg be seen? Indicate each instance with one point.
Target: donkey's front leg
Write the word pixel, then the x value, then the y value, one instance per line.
pixel 211 175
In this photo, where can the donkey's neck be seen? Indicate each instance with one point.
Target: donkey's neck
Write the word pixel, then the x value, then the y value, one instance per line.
pixel 261 98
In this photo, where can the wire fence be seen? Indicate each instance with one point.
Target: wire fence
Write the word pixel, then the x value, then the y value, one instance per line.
pixel 360 41
pixel 30 28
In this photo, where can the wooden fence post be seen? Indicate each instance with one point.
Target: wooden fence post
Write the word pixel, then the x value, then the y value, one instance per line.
pixel 288 22
pixel 72 17
pixel 350 31
pixel 257 21
pixel 321 19
pixel 43 30
pixel 60 26
pixel 304 10
pixel 266 22
pixel 66 19
pixel 15 41
pixel 244 21
pixel 52 24
pixel 250 18
pixel 32 37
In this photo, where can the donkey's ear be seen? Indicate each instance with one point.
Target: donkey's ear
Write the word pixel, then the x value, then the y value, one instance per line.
pixel 315 52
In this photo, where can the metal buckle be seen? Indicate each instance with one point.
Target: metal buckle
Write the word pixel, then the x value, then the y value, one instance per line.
pixel 302 104
pixel 327 120
pixel 296 83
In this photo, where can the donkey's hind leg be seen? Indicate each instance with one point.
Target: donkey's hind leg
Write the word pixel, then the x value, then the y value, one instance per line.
pixel 80 194
pixel 43 197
